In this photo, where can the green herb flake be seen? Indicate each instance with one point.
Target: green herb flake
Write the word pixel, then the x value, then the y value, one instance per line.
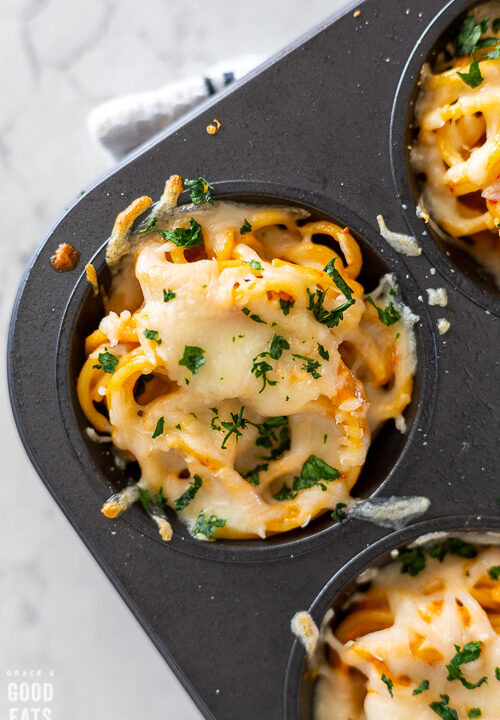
pixel 145 497
pixel 310 365
pixel 199 190
pixel 253 476
pixel 470 652
pixel 325 438
pixel 160 498
pixel 253 317
pixel 454 546
pixel 278 344
pixel 207 526
pixel 152 335
pixel 140 386
pixel 442 708
pixel 182 237
pixel 193 358
pixel 413 561
pixel 108 362
pixel 168 295
pixel 337 278
pixel 474 712
pixel 245 228
pixel 494 572
pixel 497 673
pixel 255 264
pixel 186 497
pixel 285 305
pixel 473 77
pixel 330 318
pixel 389 684
pixel 260 368
pixel 495 25
pixel 237 424
pixel 160 426
pixel 178 426
pixel 424 685
pixel 314 472
pixel 323 353
pixel 388 315
pixel 339 514
pixel 469 34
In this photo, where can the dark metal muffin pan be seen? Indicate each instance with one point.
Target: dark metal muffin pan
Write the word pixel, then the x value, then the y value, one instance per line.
pixel 311 128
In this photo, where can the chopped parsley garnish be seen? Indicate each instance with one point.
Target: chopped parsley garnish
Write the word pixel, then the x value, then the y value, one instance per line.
pixel 168 295
pixel 145 497
pixel 310 365
pixel 424 685
pixel 182 237
pixel 199 190
pixel 245 228
pixel 470 652
pixel 278 344
pixel 497 673
pixel 255 264
pixel 285 305
pixel 235 427
pixel 474 713
pixel 269 437
pixel 207 526
pixel 260 369
pixel 330 318
pixel 140 387
pixel 413 561
pixel 108 362
pixel 473 77
pixel 160 426
pixel 469 42
pixel 186 497
pixel 389 684
pixel 160 499
pixel 388 315
pixel 253 475
pixel 315 472
pixel 152 335
pixel 323 353
pixel 193 358
pixel 339 514
pixel 253 317
pixel 443 709
pixel 494 572
pixel 339 281
pixel 454 546
pixel 467 38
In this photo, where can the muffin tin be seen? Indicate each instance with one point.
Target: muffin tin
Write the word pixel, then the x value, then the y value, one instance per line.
pixel 324 126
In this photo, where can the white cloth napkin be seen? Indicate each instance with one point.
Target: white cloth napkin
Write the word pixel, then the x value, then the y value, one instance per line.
pixel 121 124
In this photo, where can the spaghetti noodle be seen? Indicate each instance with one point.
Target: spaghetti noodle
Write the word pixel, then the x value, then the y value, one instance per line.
pixel 458 144
pixel 241 364
pixel 420 644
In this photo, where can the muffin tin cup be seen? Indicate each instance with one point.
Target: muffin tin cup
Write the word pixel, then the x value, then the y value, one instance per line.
pixel 299 689
pixel 84 311
pixel 454 264
pixel 311 128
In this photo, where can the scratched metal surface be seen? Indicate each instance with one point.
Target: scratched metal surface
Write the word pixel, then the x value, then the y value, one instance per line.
pixel 312 126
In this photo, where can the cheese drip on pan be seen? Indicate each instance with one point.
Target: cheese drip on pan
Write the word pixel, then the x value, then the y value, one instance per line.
pixel 458 144
pixel 423 644
pixel 247 380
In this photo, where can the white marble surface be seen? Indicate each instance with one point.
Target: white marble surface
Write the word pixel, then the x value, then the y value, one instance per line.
pixel 59 58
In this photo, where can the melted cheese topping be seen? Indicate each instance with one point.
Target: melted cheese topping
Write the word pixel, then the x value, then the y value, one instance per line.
pixel 406 629
pixel 321 395
pixel 458 151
